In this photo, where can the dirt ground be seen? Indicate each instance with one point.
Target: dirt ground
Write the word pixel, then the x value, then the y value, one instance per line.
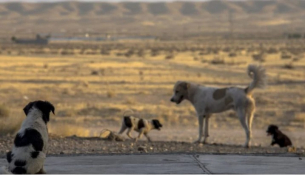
pixel 168 141
pixel 95 145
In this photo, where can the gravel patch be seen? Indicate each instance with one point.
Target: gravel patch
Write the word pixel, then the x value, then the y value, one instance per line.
pixel 94 145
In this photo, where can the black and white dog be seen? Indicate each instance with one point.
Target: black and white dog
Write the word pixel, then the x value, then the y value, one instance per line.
pixel 30 145
pixel 142 126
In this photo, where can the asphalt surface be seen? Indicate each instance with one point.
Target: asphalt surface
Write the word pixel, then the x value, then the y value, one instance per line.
pixel 174 163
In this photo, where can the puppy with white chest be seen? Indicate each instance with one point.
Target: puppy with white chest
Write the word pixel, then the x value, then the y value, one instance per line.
pixel 141 126
pixel 210 100
pixel 278 137
pixel 30 145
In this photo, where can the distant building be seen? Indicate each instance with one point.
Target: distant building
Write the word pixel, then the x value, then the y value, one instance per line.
pixel 294 35
pixel 38 40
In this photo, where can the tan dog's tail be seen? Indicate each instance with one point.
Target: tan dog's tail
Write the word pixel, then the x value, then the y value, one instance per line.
pixel 258 74
pixel 4 170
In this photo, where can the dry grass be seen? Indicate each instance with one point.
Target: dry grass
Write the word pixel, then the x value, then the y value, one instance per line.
pixel 288 65
pixel 65 129
pixel 4 111
pixel 261 57
pixel 285 56
pixel 10 125
pixel 300 117
pixel 111 94
pixel 218 60
pixel 84 100
pixel 170 56
pixel 130 101
pixel 67 113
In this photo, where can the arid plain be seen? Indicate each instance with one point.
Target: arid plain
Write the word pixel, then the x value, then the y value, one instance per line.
pixel 92 84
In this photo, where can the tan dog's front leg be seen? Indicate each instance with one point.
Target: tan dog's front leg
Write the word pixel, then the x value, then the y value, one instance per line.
pixel 242 118
pixel 200 121
pixel 206 128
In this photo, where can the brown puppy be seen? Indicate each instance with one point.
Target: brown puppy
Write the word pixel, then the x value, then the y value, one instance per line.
pixel 278 137
pixel 142 126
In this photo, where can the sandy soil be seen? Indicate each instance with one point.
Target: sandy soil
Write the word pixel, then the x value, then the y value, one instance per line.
pixel 219 143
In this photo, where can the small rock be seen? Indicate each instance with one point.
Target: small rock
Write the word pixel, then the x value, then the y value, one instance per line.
pixel 94 72
pixel 142 149
pixel 291 149
pixel 300 158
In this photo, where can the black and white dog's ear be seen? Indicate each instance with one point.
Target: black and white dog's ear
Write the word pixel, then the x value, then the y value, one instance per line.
pixel 45 107
pixel 27 108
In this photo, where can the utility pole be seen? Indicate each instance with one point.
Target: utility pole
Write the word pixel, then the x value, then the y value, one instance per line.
pixel 231 24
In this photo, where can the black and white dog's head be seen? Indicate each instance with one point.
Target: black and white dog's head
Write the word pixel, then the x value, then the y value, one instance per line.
pixel 157 124
pixel 30 144
pixel 44 106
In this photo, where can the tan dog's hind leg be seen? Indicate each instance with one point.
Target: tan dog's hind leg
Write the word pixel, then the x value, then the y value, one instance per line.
pixel 250 119
pixel 242 118
pixel 200 121
pixel 206 128
pixel 250 114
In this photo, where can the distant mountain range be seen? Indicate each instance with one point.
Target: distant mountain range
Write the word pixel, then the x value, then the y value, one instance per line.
pixel 160 15
pixel 62 9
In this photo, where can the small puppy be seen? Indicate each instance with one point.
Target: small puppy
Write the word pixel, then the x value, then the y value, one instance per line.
pixel 142 126
pixel 30 144
pixel 278 137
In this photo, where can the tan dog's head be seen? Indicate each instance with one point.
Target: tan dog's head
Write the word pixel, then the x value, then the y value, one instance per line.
pixel 180 92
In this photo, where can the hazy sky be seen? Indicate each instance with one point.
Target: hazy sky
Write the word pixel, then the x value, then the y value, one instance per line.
pixel 90 0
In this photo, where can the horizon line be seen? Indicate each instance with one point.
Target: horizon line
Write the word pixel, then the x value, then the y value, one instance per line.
pixel 151 1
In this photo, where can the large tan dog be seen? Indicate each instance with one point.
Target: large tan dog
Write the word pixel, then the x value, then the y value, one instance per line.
pixel 209 100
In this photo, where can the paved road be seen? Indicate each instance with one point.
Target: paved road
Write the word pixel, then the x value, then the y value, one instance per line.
pixel 181 163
